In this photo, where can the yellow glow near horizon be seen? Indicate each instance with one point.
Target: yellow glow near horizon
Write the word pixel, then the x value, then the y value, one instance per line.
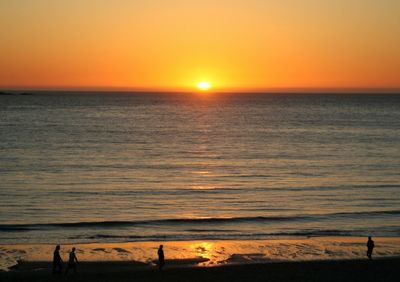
pixel 204 85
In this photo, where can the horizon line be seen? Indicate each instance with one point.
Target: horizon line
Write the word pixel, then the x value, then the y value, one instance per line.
pixel 277 90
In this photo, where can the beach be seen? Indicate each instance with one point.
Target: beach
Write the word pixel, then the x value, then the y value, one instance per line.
pixel 301 259
pixel 332 270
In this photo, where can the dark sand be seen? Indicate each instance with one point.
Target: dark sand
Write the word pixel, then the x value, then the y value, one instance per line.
pixel 341 270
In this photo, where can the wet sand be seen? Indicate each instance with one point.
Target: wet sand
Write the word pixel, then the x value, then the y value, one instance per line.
pixel 386 269
pixel 209 253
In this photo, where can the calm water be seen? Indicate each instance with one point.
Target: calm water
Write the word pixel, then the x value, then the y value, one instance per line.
pixel 128 167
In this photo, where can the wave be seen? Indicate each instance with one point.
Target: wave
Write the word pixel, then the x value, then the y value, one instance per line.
pixel 195 221
pixel 180 191
pixel 195 235
pixel 111 224
pixel 226 236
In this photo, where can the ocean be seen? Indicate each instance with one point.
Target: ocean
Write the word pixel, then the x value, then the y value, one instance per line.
pixel 127 167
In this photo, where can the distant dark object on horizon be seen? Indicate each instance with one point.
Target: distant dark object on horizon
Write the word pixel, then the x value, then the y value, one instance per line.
pixel 13 93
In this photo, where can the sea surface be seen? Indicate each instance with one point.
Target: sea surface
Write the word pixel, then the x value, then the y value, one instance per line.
pixel 116 167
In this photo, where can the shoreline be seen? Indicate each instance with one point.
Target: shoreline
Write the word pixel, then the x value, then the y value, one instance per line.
pixel 272 239
pixel 207 253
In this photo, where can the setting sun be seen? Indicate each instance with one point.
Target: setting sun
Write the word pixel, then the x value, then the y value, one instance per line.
pixel 204 85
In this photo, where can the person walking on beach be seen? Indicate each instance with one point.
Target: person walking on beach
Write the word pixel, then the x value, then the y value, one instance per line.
pixel 72 261
pixel 57 260
pixel 161 260
pixel 370 246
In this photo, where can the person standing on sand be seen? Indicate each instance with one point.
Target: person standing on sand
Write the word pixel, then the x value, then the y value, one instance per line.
pixel 57 260
pixel 161 261
pixel 370 246
pixel 72 261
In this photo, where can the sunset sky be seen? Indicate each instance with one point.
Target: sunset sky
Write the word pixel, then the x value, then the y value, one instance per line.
pixel 175 44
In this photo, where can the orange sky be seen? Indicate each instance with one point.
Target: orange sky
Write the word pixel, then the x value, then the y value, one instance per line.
pixel 174 44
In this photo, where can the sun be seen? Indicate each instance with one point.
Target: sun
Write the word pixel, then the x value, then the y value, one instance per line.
pixel 203 85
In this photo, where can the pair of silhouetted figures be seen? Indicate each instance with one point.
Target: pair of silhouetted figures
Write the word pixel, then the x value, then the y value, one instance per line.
pixel 73 260
pixel 57 261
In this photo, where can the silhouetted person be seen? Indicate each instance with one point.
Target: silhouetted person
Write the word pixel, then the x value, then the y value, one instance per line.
pixel 57 261
pixel 72 261
pixel 161 260
pixel 370 246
